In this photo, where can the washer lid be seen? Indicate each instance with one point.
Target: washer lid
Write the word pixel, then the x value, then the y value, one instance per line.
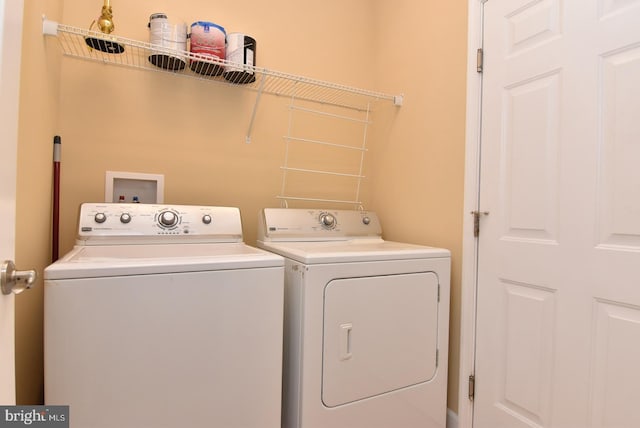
pixel 353 250
pixel 119 260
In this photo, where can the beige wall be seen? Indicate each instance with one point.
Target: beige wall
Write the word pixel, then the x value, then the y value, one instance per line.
pixel 125 120
pixel 121 119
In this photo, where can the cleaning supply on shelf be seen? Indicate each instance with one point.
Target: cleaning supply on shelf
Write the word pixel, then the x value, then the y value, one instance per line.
pixel 241 51
pixel 171 39
pixel 208 41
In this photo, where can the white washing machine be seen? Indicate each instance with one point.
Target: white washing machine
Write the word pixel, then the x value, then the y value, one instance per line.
pixel 366 322
pixel 162 317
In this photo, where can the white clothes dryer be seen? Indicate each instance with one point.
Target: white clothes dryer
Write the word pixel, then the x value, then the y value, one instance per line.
pixel 366 322
pixel 162 317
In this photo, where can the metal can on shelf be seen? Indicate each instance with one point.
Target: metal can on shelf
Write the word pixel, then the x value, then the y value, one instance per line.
pixel 169 37
pixel 241 51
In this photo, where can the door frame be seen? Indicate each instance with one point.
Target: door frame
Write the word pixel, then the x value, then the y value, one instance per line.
pixel 471 201
pixel 11 24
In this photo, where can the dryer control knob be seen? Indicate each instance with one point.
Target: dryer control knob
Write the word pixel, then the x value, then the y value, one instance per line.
pixel 168 219
pixel 100 218
pixel 327 220
pixel 125 218
pixel 206 219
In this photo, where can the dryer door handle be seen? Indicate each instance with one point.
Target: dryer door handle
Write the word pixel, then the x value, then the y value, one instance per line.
pixel 345 341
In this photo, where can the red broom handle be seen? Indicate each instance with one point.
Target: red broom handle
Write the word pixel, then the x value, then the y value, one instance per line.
pixel 56 197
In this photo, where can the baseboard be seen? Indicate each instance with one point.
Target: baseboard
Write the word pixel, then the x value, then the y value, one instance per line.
pixel 452 419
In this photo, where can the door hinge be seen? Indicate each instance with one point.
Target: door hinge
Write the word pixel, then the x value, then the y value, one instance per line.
pixel 476 221
pixel 479 60
pixel 437 356
pixel 472 387
pixel 438 293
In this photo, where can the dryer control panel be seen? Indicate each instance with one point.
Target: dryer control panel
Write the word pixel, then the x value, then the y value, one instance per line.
pixel 286 224
pixel 111 223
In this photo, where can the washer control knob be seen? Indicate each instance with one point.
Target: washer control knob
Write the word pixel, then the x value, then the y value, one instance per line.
pixel 366 220
pixel 125 218
pixel 327 220
pixel 168 219
pixel 206 219
pixel 100 218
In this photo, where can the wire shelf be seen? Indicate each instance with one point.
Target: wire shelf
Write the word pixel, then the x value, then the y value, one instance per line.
pixel 75 42
pixel 114 50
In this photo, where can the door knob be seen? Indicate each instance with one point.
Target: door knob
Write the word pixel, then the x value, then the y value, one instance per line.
pixel 16 281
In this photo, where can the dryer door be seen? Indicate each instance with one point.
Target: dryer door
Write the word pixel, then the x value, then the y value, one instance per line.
pixel 380 335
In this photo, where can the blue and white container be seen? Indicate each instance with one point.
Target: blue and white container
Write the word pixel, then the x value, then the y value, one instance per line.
pixel 208 40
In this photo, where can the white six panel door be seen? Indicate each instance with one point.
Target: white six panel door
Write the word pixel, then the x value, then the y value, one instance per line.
pixel 558 327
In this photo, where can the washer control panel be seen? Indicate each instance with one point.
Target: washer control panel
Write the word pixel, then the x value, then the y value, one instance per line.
pixel 304 224
pixel 141 223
